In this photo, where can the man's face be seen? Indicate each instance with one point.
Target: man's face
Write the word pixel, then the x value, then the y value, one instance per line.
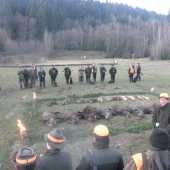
pixel 163 101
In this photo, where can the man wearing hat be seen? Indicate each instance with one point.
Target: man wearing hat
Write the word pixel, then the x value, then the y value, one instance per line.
pixel 53 72
pixel 53 158
pixel 157 157
pixel 161 115
pixel 103 157
pixel 102 73
pixel 112 72
pixel 88 73
pixel 42 75
pixel 138 71
pixel 25 159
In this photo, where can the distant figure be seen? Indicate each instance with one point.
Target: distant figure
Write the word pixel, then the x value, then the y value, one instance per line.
pixel 81 74
pixel 94 72
pixel 102 157
pixel 102 73
pixel 21 77
pixel 35 68
pixel 26 74
pixel 88 73
pixel 53 72
pixel 138 71
pixel 53 158
pixel 156 158
pixel 25 159
pixel 67 74
pixel 131 72
pixel 32 77
pixel 112 72
pixel 42 75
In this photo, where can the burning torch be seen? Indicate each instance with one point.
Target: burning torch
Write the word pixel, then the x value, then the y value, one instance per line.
pixel 23 131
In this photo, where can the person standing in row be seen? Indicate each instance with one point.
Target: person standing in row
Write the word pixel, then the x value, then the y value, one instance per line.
pixel 102 73
pixel 80 74
pixel 21 77
pixel 32 77
pixel 35 69
pixel 88 73
pixel 138 71
pixel 67 74
pixel 25 72
pixel 42 75
pixel 53 72
pixel 112 72
pixel 131 72
pixel 94 72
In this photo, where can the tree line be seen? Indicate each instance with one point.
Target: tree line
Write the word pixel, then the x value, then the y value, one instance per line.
pixel 120 30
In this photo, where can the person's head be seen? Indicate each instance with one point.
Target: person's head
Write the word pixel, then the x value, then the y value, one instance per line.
pixel 102 65
pixel 138 64
pixel 93 64
pixel 41 69
pixel 80 66
pixel 101 134
pixel 23 68
pixel 133 66
pixel 164 98
pixel 20 68
pixel 160 139
pixel 112 65
pixel 52 66
pixel 55 140
pixel 25 159
pixel 88 65
pixel 32 68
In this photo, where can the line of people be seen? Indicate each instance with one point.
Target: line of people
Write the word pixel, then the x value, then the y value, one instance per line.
pixel 25 75
pixel 102 157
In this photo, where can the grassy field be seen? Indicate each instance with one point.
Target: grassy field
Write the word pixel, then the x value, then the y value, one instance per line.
pixel 18 104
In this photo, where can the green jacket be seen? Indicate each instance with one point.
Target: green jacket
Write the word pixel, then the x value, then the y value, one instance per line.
pixel 81 71
pixel 55 159
pixel 161 115
pixel 107 158
pixel 21 75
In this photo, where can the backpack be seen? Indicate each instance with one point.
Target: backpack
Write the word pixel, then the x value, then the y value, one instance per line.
pixel 132 70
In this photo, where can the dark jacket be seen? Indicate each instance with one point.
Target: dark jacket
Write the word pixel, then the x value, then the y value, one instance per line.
pixel 113 70
pixel 107 158
pixel 25 72
pixel 158 160
pixel 67 71
pixel 53 72
pixel 138 69
pixel 42 74
pixel 88 71
pixel 55 160
pixel 102 70
pixel 161 115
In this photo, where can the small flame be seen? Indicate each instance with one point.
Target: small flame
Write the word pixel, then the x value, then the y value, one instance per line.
pixel 152 89
pixel 34 95
pixel 20 125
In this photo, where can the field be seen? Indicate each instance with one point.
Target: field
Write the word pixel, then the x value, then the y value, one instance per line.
pixel 18 104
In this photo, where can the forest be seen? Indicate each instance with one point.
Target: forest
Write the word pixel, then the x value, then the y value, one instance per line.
pixel 119 30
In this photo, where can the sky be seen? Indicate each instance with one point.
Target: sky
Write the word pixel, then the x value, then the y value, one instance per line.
pixel 159 6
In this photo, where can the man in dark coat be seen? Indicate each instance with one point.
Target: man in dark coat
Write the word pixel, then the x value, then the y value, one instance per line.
pixel 138 71
pixel 53 72
pixel 35 69
pixel 42 75
pixel 94 72
pixel 112 72
pixel 131 72
pixel 102 73
pixel 157 157
pixel 32 77
pixel 26 74
pixel 53 158
pixel 103 156
pixel 88 73
pixel 25 159
pixel 67 74
pixel 161 115
pixel 21 77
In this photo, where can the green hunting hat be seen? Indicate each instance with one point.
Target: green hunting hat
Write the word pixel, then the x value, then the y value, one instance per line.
pixel 56 139
pixel 24 157
pixel 40 67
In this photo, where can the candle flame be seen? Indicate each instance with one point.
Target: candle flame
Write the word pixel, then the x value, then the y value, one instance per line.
pixel 20 125
pixel 152 89
pixel 34 95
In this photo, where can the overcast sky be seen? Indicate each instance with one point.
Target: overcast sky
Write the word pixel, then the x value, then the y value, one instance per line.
pixel 159 6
